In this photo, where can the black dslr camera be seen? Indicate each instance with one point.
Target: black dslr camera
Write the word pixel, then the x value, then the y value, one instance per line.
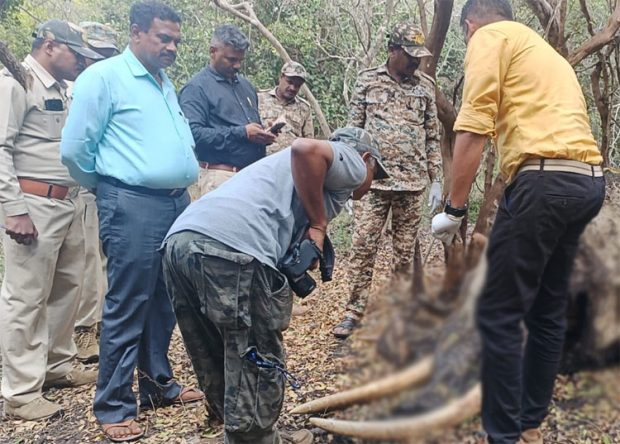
pixel 299 258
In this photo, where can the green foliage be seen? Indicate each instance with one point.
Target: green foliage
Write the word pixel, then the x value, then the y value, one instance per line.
pixel 331 38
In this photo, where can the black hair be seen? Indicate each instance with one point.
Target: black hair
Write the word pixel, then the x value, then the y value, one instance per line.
pixel 486 8
pixel 230 35
pixel 143 14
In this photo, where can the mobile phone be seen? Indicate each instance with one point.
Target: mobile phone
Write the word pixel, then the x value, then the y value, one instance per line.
pixel 275 129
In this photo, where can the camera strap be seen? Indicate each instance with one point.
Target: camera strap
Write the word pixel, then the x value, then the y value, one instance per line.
pixel 252 355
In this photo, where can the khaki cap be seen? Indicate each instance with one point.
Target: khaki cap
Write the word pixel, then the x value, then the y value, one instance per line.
pixel 411 38
pixel 67 33
pixel 100 36
pixel 294 69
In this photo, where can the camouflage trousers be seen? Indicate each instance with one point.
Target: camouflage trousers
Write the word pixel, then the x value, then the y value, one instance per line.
pixel 230 306
pixel 371 215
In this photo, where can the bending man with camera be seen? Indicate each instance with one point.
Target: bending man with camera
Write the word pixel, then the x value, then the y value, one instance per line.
pixel 221 264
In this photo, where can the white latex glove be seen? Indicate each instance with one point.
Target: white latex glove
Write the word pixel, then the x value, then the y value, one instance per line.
pixel 445 226
pixel 434 196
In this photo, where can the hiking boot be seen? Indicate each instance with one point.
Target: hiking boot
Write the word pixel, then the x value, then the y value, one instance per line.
pixel 74 378
pixel 531 436
pixel 302 436
pixel 87 345
pixel 38 408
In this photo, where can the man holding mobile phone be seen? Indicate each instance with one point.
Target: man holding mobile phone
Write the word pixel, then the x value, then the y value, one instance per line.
pixel 222 108
pixel 281 106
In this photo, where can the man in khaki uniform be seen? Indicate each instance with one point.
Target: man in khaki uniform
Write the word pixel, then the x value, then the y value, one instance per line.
pixel 394 102
pixel 102 40
pixel 283 102
pixel 44 241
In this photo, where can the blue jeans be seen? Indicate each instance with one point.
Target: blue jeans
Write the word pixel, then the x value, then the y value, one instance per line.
pixel 137 320
pixel 531 251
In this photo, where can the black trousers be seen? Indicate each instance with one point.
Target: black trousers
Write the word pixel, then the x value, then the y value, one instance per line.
pixel 531 252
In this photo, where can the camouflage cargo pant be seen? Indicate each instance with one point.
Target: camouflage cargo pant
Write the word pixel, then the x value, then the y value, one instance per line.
pixel 371 215
pixel 228 304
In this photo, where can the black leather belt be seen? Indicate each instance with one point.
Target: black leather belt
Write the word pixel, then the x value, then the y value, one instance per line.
pixel 169 192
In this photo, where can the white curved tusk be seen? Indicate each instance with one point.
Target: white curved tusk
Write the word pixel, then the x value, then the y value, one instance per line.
pixel 417 373
pixel 403 429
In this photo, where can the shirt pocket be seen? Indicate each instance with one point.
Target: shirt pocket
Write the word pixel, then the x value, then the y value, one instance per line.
pixel 415 104
pixel 50 122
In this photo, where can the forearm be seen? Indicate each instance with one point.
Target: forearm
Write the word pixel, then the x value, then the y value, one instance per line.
pixel 468 150
pixel 216 139
pixel 80 160
pixel 310 160
pixel 11 196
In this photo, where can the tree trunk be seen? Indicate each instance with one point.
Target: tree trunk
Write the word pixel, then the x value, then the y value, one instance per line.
pixel 245 12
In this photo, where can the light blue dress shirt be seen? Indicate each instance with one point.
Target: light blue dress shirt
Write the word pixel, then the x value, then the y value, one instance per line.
pixel 123 124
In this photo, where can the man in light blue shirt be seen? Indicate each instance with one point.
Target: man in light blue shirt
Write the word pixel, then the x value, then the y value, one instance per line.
pixel 127 137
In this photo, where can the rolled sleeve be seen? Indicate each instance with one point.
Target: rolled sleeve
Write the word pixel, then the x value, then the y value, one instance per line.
pixel 486 64
pixel 12 117
pixel 88 117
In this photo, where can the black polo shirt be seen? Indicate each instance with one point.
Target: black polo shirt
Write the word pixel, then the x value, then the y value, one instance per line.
pixel 218 111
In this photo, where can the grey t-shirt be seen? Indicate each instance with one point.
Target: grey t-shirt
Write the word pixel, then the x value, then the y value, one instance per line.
pixel 257 211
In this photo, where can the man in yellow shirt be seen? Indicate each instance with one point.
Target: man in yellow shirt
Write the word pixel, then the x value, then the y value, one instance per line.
pixel 526 96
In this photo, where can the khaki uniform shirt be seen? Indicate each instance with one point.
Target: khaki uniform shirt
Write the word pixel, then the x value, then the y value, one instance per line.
pixel 30 134
pixel 403 119
pixel 298 117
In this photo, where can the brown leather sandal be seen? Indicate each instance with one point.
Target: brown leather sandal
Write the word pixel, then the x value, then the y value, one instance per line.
pixel 346 327
pixel 123 437
pixel 187 395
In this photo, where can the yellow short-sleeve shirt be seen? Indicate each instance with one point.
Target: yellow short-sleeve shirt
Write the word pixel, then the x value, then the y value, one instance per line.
pixel 520 91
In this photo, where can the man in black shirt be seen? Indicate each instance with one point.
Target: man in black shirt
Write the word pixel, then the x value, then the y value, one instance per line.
pixel 222 109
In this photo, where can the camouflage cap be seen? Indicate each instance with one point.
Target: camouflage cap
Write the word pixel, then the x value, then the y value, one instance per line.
pixel 100 36
pixel 294 69
pixel 363 142
pixel 67 33
pixel 410 38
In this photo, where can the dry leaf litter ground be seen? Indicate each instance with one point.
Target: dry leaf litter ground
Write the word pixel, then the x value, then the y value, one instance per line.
pixel 585 409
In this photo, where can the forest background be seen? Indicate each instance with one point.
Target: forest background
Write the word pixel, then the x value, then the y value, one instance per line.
pixel 335 39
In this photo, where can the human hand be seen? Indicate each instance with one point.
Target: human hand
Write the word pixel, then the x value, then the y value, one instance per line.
pixel 445 226
pixel 317 234
pixel 434 196
pixel 21 229
pixel 255 133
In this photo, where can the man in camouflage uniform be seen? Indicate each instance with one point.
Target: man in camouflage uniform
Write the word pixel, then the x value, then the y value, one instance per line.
pixel 396 104
pixel 44 239
pixel 102 40
pixel 283 102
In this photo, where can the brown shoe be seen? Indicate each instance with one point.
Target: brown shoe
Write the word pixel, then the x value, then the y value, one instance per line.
pixel 37 409
pixel 74 378
pixel 302 436
pixel 87 345
pixel 531 436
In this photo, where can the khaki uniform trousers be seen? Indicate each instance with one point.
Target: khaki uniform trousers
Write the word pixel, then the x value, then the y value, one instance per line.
pixel 209 180
pixel 95 275
pixel 39 298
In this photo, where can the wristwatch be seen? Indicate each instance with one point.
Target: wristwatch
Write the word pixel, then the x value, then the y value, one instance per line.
pixel 456 212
